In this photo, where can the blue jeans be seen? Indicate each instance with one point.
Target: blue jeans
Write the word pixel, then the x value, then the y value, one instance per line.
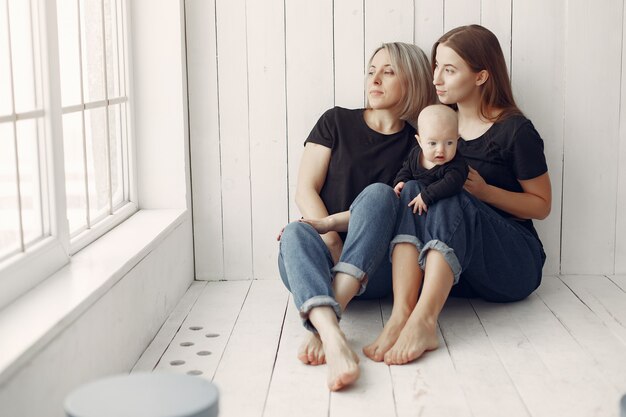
pixel 306 266
pixel 491 257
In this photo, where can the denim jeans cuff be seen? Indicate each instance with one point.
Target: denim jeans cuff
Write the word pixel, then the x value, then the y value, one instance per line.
pixel 353 271
pixel 404 239
pixel 318 301
pixel 448 255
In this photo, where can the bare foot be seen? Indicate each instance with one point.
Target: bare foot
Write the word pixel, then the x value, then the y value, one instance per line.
pixel 311 351
pixel 343 363
pixel 417 336
pixel 376 350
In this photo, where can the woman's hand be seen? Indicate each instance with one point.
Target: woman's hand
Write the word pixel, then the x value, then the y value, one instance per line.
pixel 322 226
pixel 475 184
pixel 331 239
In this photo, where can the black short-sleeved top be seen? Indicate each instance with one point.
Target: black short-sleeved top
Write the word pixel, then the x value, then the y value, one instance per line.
pixel 359 157
pixel 440 181
pixel 510 150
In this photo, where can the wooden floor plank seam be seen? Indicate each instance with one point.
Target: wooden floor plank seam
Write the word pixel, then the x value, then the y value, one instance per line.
pixel 502 362
pixel 280 338
pixel 232 330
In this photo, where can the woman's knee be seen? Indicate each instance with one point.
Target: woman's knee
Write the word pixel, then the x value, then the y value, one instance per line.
pixel 296 231
pixel 410 190
pixel 376 195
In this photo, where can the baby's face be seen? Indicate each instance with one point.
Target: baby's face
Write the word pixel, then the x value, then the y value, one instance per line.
pixel 438 144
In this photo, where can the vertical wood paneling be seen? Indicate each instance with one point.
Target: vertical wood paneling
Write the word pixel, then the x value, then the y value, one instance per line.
pixel 496 16
pixel 388 21
pixel 267 118
pixel 592 62
pixel 234 138
pixel 279 70
pixel 460 12
pixel 204 138
pixel 309 46
pixel 538 61
pixel 428 23
pixel 620 222
pixel 349 53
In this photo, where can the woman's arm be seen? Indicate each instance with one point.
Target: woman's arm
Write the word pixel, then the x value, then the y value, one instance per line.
pixel 311 177
pixel 337 222
pixel 534 203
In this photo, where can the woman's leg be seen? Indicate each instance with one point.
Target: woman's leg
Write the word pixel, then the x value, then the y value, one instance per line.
pixel 420 331
pixel 407 279
pixel 305 264
pixel 500 260
pixel 371 223
pixel 407 275
pixel 342 362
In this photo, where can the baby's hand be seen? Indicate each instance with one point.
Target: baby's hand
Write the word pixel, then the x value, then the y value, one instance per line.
pixel 418 205
pixel 322 225
pixel 398 188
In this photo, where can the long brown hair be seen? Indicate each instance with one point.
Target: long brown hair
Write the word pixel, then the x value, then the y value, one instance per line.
pixel 480 49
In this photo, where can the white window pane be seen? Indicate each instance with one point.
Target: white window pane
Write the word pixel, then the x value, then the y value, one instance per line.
pixel 5 75
pixel 30 180
pixel 92 49
pixel 97 164
pixel 121 31
pixel 22 53
pixel 112 48
pixel 76 198
pixel 125 147
pixel 69 56
pixel 9 216
pixel 116 150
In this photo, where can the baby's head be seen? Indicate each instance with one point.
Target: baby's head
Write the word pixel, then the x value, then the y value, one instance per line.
pixel 438 133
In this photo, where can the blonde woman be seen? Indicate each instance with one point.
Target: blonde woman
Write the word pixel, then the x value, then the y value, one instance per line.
pixel 351 153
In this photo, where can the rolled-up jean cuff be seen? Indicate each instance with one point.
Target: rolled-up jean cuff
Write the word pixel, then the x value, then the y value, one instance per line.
pixel 353 271
pixel 404 239
pixel 448 255
pixel 318 301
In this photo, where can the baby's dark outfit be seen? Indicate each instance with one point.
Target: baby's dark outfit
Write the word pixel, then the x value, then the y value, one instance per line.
pixel 439 182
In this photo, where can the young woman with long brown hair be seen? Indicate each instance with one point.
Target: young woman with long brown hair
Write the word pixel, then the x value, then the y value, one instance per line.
pixel 480 243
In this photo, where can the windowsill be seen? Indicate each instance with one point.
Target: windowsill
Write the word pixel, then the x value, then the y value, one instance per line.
pixel 34 319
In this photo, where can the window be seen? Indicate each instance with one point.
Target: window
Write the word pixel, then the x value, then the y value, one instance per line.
pixel 65 150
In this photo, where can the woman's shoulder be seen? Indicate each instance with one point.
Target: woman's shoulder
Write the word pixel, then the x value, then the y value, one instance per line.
pixel 342 114
pixel 341 118
pixel 515 126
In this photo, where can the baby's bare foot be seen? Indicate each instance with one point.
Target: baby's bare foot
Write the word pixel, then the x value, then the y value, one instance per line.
pixel 376 350
pixel 343 363
pixel 311 351
pixel 417 336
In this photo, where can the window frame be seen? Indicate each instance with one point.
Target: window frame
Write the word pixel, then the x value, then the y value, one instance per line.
pixel 25 270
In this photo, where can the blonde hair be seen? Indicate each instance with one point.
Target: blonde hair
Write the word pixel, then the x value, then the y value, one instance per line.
pixel 415 74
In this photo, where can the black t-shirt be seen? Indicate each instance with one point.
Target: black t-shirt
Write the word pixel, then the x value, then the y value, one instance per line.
pixel 439 182
pixel 509 151
pixel 359 157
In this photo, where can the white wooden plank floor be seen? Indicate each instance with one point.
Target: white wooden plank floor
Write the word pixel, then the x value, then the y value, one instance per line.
pixel 561 352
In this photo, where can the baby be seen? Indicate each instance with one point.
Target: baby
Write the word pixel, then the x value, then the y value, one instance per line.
pixel 434 163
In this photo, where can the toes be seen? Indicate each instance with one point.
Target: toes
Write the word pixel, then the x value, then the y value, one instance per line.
pixel 389 357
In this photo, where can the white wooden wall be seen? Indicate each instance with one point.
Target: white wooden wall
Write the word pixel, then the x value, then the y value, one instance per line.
pixel 260 74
